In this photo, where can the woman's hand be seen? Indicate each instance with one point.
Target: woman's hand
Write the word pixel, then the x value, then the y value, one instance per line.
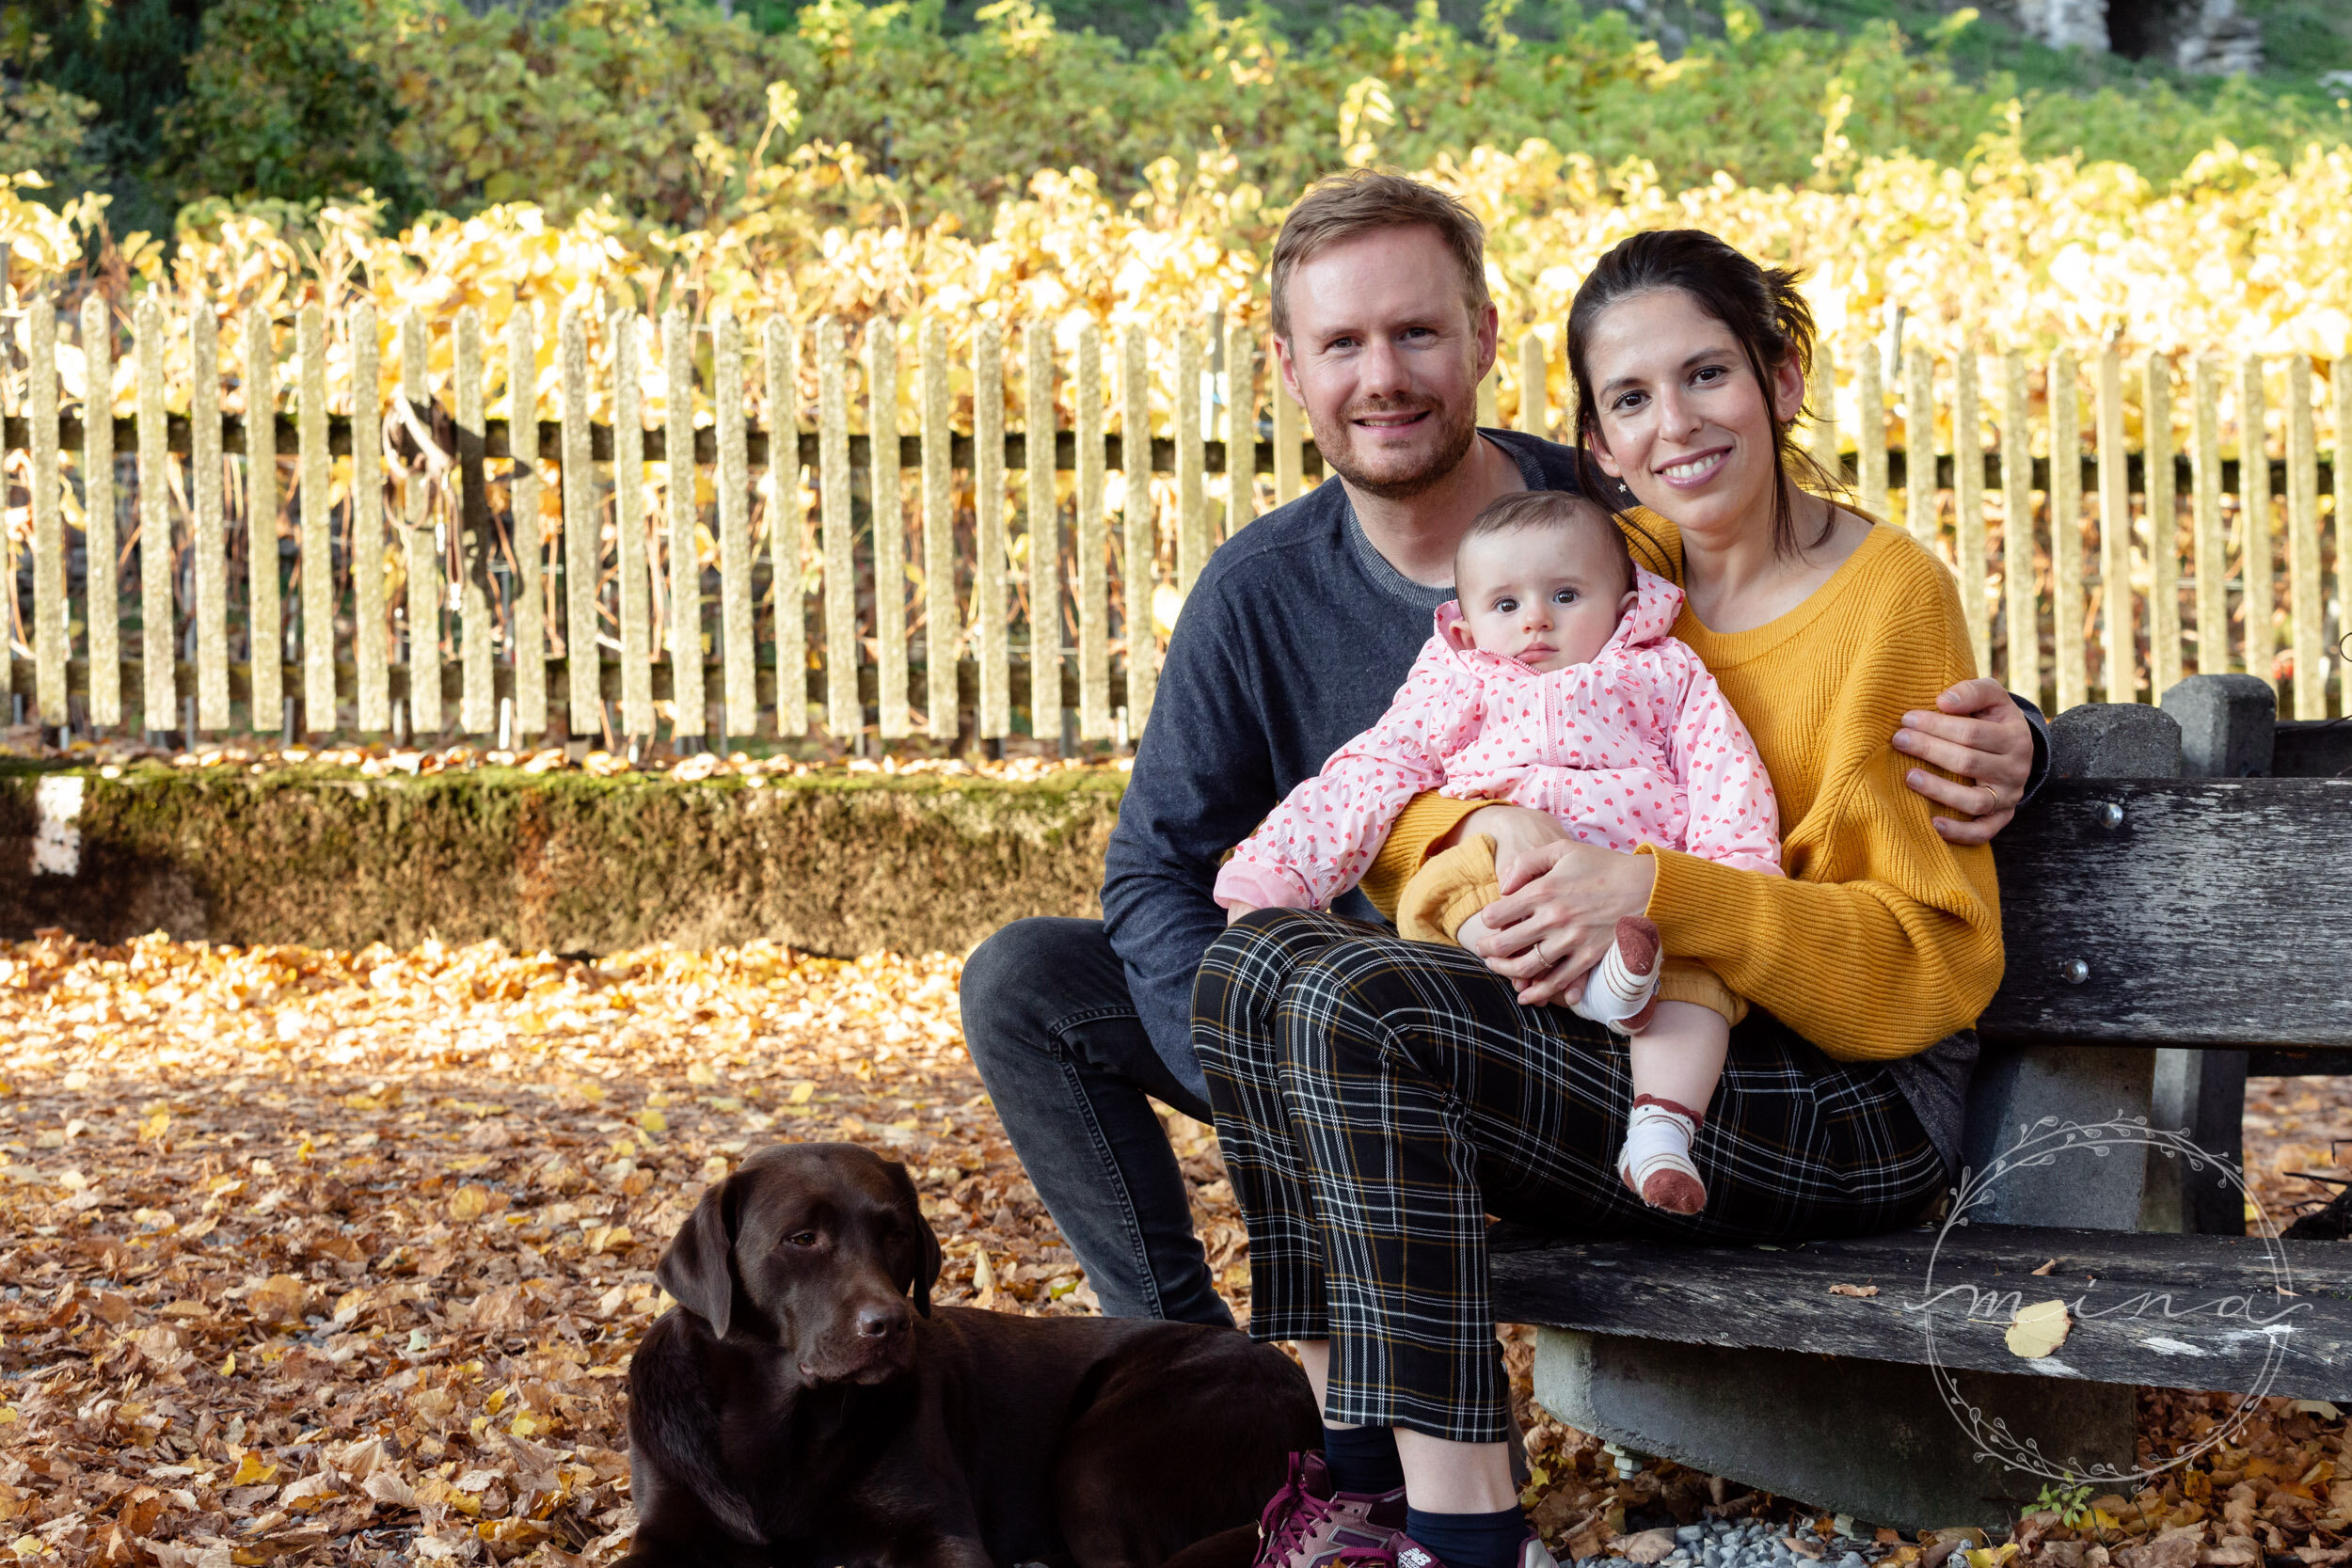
pixel 1977 733
pixel 1558 914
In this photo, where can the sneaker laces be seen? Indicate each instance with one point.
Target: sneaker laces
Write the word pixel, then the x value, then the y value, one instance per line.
pixel 1291 1516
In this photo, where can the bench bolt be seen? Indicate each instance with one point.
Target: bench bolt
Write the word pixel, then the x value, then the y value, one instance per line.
pixel 2110 814
pixel 2075 970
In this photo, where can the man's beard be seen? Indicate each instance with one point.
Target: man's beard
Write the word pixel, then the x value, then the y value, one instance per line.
pixel 1339 454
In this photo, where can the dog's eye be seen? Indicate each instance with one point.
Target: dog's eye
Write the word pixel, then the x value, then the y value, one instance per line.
pixel 803 1238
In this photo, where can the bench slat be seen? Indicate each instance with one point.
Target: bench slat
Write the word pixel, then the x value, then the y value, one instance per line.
pixel 2172 1311
pixel 2163 910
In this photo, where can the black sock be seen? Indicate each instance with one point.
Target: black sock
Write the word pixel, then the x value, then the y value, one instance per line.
pixel 1362 1459
pixel 1470 1540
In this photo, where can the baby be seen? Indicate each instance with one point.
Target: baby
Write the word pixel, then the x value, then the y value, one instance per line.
pixel 1553 682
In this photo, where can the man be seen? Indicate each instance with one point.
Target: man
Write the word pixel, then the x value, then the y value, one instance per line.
pixel 1294 640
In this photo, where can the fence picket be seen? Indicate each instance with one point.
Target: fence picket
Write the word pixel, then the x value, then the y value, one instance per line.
pixel 1821 399
pixel 1919 447
pixel 780 360
pixel 1041 518
pixel 2118 667
pixel 1139 556
pixel 1192 524
pixel 2213 560
pixel 210 543
pixel 477 625
pixel 992 565
pixel 1241 424
pixel 316 560
pixel 688 699
pixel 2339 383
pixel 529 627
pixel 1490 395
pixel 2067 608
pixel 1869 433
pixel 890 527
pixel 629 523
pixel 1968 505
pixel 2022 631
pixel 2163 529
pixel 2306 591
pixel 2261 597
pixel 371 646
pixel 739 663
pixel 264 618
pixel 845 715
pixel 582 662
pixel 943 624
pixel 100 548
pixel 421 600
pixel 1534 397
pixel 157 677
pixel 50 611
pixel 1289 470
pixel 1094 544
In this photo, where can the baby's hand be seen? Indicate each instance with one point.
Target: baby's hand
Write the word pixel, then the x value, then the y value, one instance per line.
pixel 1235 912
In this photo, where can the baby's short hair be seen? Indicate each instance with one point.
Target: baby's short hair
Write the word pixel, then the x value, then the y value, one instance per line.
pixel 1561 509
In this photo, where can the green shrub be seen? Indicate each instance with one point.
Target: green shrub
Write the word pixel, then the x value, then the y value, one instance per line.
pixel 285 102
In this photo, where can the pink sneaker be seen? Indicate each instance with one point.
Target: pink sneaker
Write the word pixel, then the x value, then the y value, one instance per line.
pixel 1307 1525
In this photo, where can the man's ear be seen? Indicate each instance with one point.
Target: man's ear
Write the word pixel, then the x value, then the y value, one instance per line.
pixel 926 1264
pixel 698 1269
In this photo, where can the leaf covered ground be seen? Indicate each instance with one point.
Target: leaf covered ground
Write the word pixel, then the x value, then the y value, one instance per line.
pixel 315 1257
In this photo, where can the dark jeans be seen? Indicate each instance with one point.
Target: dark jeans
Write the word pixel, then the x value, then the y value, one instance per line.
pixel 1049 1023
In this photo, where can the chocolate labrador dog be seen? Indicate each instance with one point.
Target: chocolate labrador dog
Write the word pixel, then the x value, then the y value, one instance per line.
pixel 803 1404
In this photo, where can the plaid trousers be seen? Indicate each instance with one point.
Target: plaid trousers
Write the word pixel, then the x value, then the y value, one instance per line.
pixel 1377 1098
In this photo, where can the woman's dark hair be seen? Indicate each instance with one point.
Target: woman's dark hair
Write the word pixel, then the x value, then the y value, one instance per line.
pixel 1761 305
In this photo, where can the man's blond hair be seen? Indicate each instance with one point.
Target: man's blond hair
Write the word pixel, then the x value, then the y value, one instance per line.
pixel 1342 206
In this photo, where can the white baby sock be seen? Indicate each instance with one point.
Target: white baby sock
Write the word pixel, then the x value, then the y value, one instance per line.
pixel 1656 1163
pixel 1625 983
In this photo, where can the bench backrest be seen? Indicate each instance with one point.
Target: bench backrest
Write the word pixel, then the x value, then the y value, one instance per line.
pixel 2178 912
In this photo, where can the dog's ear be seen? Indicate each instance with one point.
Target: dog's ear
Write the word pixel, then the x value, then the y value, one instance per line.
pixel 927 1266
pixel 698 1269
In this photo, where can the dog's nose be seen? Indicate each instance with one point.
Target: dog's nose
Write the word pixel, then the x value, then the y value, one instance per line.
pixel 881 1321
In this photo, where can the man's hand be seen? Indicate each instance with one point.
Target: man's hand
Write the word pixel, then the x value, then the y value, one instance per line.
pixel 1978 734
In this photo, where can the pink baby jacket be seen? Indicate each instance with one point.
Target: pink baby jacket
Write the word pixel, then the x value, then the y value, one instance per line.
pixel 1637 747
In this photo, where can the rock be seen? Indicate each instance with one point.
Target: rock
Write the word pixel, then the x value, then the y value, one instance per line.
pixel 1689 1533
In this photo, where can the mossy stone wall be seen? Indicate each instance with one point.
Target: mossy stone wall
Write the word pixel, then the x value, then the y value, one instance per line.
pixel 829 864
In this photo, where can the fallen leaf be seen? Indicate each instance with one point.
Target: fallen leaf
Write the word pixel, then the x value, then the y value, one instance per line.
pixel 1859 1292
pixel 1648 1546
pixel 2039 1328
pixel 2046 1268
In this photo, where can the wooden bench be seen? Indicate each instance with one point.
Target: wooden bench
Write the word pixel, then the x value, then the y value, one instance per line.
pixel 2168 908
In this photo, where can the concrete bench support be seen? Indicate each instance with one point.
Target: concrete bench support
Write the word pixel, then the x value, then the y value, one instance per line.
pixel 1868 1439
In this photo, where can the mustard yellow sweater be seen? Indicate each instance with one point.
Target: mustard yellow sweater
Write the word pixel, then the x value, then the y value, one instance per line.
pixel 1881 939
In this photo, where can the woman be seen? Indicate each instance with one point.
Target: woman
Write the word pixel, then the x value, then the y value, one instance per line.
pixel 1375 1099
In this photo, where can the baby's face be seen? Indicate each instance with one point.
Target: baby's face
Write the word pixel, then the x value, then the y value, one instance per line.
pixel 1548 597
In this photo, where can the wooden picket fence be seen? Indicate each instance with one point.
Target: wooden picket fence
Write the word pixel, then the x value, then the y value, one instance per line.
pixel 363 571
